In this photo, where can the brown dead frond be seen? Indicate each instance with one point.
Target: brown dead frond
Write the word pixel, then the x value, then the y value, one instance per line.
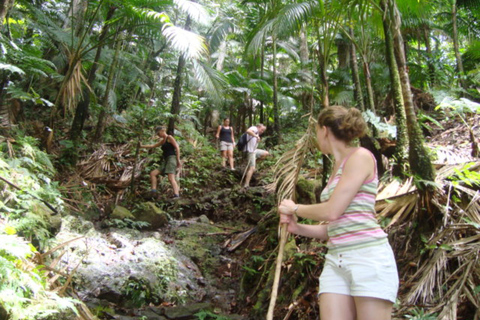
pixel 287 168
pixel 111 165
pixel 60 279
pixel 71 89
pixel 286 173
pixel 448 269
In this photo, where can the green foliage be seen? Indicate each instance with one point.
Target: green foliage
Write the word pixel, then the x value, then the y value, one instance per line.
pixel 127 223
pixel 139 292
pixel 465 176
pixel 425 119
pixel 31 170
pixel 23 286
pixel 420 314
pixel 208 315
pixel 70 152
pixel 384 130
pixel 452 107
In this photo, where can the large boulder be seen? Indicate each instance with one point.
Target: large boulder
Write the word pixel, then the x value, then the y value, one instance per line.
pixel 125 266
pixel 149 212
pixel 121 213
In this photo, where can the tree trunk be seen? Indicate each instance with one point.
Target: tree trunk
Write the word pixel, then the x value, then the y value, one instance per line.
pixel 303 46
pixel 276 113
pixel 431 66
pixel 262 67
pixel 177 88
pixel 456 48
pixel 396 88
pixel 368 83
pixel 177 94
pixel 81 112
pixel 419 159
pixel 357 89
pixel 102 118
pixel 5 5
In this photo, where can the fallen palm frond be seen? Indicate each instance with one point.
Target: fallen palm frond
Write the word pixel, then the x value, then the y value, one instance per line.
pixel 448 266
pixel 111 166
pixel 287 170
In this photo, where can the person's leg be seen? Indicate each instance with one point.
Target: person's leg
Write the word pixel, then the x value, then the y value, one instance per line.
pixel 173 182
pixel 334 306
pixel 248 176
pixel 251 169
pixel 230 158
pixel 373 308
pixel 224 157
pixel 153 179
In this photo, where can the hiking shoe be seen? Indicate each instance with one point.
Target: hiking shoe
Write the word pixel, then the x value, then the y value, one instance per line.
pixel 176 196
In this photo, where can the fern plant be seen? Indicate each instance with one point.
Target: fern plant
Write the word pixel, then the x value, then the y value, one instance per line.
pixel 24 290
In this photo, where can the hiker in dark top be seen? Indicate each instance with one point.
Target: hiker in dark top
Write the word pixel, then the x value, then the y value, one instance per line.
pixel 227 142
pixel 171 160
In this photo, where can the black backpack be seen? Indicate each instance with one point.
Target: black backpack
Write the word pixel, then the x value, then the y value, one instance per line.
pixel 242 142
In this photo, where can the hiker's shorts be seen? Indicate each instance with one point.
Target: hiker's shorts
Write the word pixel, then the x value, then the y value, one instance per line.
pixel 224 146
pixel 169 165
pixel 252 159
pixel 260 153
pixel 367 272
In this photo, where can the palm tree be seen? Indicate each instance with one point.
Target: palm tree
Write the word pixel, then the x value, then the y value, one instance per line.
pixel 419 159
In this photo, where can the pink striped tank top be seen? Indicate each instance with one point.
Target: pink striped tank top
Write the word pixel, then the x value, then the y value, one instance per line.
pixel 357 227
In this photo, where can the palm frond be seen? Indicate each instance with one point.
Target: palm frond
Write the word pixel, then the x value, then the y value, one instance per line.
pixel 11 68
pixel 219 32
pixel 291 17
pixel 209 78
pixel 190 44
pixel 290 49
pixel 194 10
pixel 287 168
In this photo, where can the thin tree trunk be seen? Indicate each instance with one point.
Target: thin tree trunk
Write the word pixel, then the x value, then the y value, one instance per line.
pixel 5 6
pixel 262 67
pixel 419 159
pixel 303 46
pixel 368 83
pixel 177 94
pixel 105 101
pixel 177 88
pixel 81 112
pixel 396 88
pixel 276 113
pixel 456 47
pixel 357 91
pixel 431 66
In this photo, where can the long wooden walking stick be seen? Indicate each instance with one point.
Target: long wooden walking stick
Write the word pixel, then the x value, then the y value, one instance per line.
pixel 286 174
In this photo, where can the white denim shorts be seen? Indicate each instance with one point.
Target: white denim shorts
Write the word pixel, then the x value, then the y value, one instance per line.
pixel 367 272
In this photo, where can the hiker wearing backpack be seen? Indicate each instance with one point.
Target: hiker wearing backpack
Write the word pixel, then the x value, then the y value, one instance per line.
pixel 227 141
pixel 253 138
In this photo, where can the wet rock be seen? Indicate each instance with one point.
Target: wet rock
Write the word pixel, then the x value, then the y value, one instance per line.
pixel 127 267
pixel 156 217
pixel 203 219
pixel 54 221
pixel 121 213
pixel 186 312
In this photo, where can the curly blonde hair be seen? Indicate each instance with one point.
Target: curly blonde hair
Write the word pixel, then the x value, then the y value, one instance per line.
pixel 346 124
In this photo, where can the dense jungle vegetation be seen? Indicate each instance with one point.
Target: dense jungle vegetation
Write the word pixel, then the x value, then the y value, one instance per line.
pixel 84 83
